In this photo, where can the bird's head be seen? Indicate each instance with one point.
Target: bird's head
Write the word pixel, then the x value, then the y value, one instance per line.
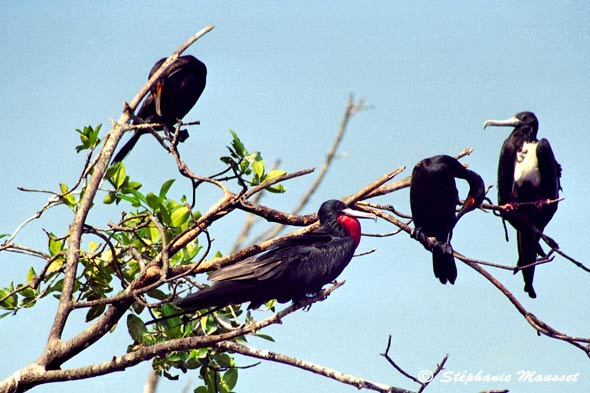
pixel 336 215
pixel 526 119
pixel 476 195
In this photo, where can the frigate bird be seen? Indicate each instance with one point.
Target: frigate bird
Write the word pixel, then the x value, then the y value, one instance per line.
pixel 527 172
pixel 292 269
pixel 434 199
pixel 173 95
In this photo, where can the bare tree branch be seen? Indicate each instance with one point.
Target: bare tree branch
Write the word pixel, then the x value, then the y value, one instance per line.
pixel 425 376
pixel 540 326
pixel 357 382
pixel 350 110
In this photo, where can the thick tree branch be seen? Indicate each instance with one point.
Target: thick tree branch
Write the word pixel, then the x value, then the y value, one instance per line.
pixel 56 352
pixel 34 374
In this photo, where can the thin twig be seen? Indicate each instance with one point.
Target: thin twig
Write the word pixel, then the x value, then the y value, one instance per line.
pixel 350 110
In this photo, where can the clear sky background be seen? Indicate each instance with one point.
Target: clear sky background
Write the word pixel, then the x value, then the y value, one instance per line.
pixel 280 75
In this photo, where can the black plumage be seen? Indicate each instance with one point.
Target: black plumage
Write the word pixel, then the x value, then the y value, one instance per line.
pixel 527 172
pixel 297 267
pixel 434 199
pixel 170 98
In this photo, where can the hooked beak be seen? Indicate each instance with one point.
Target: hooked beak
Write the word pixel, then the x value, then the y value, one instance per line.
pixel 512 122
pixel 358 214
pixel 468 206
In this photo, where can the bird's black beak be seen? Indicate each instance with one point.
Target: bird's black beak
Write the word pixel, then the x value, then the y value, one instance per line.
pixel 358 214
pixel 512 122
pixel 468 206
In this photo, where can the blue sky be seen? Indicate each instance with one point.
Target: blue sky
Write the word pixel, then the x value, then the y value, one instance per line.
pixel 280 75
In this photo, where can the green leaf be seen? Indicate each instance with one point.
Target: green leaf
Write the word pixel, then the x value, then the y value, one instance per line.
pixel 229 379
pixel 11 301
pixel 165 187
pixel 31 275
pixel 179 216
pixel 265 337
pixel 190 251
pixel 134 185
pixel 199 353
pixel 29 293
pixel 157 294
pixel 201 389
pixel 88 137
pixel 117 175
pixel 154 234
pixel 277 189
pixel 96 312
pixel 67 198
pixel 238 146
pixel 135 327
pixel 258 167
pixel 153 201
pixel 120 175
pixel 224 360
pixel 274 174
pixel 55 246
pixel 109 198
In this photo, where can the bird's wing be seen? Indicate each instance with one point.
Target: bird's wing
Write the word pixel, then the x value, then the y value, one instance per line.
pixel 156 66
pixel 272 263
pixel 550 170
pixel 506 172
pixel 433 195
pixel 148 108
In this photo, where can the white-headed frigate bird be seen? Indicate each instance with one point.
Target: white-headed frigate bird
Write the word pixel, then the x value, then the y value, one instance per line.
pixel 527 172
pixel 434 199
pixel 172 96
pixel 291 270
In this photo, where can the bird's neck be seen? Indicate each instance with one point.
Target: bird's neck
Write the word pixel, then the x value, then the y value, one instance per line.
pixel 525 134
pixel 352 226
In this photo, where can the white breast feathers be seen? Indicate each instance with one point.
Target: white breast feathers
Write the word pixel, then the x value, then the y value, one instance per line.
pixel 526 169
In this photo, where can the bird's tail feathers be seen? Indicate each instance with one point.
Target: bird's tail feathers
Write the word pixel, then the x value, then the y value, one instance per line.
pixel 528 245
pixel 130 144
pixel 220 294
pixel 443 264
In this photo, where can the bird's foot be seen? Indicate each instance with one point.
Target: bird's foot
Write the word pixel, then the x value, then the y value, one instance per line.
pixel 539 204
pixel 419 235
pixel 302 300
pixel 508 207
pixel 445 248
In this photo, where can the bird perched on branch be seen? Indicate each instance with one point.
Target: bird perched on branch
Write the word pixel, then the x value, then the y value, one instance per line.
pixel 291 270
pixel 527 172
pixel 434 199
pixel 170 98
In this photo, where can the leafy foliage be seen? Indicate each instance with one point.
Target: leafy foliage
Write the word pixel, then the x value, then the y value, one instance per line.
pixel 112 259
pixel 251 164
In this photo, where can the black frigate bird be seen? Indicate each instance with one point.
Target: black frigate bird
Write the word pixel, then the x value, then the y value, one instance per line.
pixel 290 271
pixel 171 97
pixel 434 199
pixel 527 172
